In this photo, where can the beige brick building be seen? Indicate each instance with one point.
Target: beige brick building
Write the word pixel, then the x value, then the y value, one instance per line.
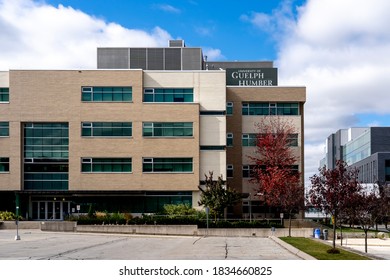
pixel 132 135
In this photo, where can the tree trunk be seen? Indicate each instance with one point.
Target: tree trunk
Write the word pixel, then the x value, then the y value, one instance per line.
pixel 289 224
pixel 334 233
pixel 365 240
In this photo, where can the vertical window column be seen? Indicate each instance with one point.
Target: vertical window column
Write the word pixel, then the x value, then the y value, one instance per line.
pixel 46 156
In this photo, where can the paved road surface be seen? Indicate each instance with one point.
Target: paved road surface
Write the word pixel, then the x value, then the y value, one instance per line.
pixel 38 245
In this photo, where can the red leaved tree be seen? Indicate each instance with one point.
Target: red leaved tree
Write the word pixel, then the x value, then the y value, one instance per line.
pixel 334 191
pixel 276 166
pixel 366 210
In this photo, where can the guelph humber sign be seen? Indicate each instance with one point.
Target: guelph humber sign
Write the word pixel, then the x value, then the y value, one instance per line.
pixel 252 77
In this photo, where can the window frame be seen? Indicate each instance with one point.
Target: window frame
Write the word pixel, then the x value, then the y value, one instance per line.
pixel 272 109
pixel 93 93
pixel 4 164
pixel 249 138
pixel 152 126
pixel 229 139
pixel 229 171
pixel 103 162
pixel 4 92
pixel 94 126
pixel 154 161
pixel 152 95
pixel 229 108
pixel 4 127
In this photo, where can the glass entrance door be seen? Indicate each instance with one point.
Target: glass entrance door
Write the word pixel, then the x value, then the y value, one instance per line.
pixel 50 210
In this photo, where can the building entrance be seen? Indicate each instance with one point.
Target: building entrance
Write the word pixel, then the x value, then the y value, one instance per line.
pixel 50 210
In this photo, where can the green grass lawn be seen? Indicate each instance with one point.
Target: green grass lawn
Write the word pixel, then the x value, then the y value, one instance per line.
pixel 318 249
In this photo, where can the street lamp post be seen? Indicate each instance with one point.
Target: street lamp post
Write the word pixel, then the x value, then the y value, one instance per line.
pixel 250 207
pixel 207 220
pixel 17 237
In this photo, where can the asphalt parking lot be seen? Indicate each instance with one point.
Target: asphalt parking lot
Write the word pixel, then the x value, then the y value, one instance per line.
pixel 38 245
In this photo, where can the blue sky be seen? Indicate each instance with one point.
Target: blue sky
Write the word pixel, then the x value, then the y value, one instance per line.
pixel 338 49
pixel 221 24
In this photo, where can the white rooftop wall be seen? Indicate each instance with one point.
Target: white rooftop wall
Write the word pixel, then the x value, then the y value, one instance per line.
pixel 4 79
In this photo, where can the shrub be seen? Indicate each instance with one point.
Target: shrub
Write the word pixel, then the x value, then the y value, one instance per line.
pixel 7 216
pixel 333 251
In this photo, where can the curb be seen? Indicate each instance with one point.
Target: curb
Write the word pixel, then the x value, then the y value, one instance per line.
pixel 292 249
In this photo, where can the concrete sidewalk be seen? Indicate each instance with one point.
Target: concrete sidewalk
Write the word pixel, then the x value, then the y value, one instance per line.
pixel 377 248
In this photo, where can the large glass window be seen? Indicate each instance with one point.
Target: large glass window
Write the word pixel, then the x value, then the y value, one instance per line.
pixel 4 164
pixel 106 129
pixel 171 129
pixel 167 165
pixel 4 94
pixel 46 153
pixel 265 108
pixel 357 149
pixel 109 165
pixel 168 95
pixel 106 94
pixel 4 129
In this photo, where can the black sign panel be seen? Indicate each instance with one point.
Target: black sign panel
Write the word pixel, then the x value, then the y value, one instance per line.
pixel 251 77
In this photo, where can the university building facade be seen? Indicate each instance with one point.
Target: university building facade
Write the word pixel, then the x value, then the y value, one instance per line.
pixel 365 148
pixel 139 132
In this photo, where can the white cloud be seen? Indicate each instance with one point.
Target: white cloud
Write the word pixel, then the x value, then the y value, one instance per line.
pixel 340 51
pixel 212 54
pixel 36 35
pixel 168 8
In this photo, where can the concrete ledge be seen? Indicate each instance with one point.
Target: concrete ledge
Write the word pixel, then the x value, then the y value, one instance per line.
pixel 255 232
pixel 292 249
pixel 141 229
pixel 22 225
pixel 58 226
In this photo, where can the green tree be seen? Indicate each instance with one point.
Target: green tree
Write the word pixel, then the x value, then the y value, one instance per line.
pixel 217 196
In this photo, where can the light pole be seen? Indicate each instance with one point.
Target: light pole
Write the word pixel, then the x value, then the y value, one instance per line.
pixel 17 237
pixel 207 220
pixel 250 207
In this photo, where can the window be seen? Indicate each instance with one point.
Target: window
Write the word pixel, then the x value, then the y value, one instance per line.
pixel 264 109
pixel 212 113
pixel 229 171
pixel 167 165
pixel 46 152
pixel 4 129
pixel 168 95
pixel 46 140
pixel 109 165
pixel 106 129
pixel 106 94
pixel 229 139
pixel 293 140
pixel 4 94
pixel 229 108
pixel 247 171
pixel 171 129
pixel 249 140
pixel 4 164
pixel 212 148
pixel 387 170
